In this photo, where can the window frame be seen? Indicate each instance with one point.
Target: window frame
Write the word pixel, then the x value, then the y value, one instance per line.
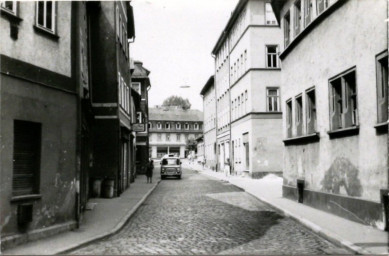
pixel 15 8
pixel 341 101
pixel 382 87
pixel 311 114
pixel 297 18
pixel 186 126
pixel 278 97
pixel 178 126
pixel 167 126
pixel 299 114
pixel 53 17
pixel 159 126
pixel 287 30
pixel 289 117
pixel 196 126
pixel 271 54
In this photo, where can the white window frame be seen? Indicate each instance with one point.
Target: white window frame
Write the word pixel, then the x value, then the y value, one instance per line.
pixel 186 126
pixel 159 126
pixel 178 126
pixel 271 54
pixel 271 97
pixel 167 126
pixel 149 125
pixel 196 126
pixel 53 16
pixel 14 10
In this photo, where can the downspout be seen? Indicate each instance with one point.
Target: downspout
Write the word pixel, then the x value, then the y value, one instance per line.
pixel 216 123
pixel 229 99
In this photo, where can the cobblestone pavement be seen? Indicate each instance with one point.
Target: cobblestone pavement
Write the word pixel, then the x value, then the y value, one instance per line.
pixel 199 215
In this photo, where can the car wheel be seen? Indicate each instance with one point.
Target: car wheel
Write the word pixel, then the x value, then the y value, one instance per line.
pixel 179 177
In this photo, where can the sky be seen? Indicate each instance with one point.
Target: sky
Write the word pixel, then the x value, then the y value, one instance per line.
pixel 174 40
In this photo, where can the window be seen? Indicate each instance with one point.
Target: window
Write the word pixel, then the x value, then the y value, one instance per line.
pixel 308 11
pixel 241 104
pixel 289 118
pixel 117 23
pixel 344 112
pixel 271 53
pixel 178 126
pixel 178 137
pixel 159 137
pixel 299 115
pixel 233 112
pixel 26 158
pixel 186 126
pixel 167 126
pixel 159 126
pixel 9 6
pixel 45 15
pixel 321 6
pixel 311 111
pixel 297 17
pixel 287 29
pixel 270 17
pixel 120 29
pixel 238 106
pixel 382 85
pixel 149 125
pixel 139 119
pixel 196 126
pixel 167 137
pixel 137 87
pixel 273 99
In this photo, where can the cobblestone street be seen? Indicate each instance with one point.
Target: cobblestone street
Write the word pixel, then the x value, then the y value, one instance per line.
pixel 199 215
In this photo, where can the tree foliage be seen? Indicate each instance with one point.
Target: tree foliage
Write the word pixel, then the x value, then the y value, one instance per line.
pixel 177 101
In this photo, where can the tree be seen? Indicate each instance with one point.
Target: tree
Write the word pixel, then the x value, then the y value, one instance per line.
pixel 177 101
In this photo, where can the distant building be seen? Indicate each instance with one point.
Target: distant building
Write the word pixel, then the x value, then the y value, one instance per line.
pixel 170 128
pixel 140 84
pixel 209 106
pixel 200 149
pixel 247 83
pixel 335 100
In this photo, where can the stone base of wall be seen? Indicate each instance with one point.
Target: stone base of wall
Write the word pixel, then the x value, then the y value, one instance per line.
pixel 260 175
pixel 354 209
pixel 14 240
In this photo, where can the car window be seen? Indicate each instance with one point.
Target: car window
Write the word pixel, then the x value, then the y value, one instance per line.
pixel 170 161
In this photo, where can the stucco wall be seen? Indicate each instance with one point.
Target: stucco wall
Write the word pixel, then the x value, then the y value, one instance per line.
pixel 55 110
pixel 35 48
pixel 343 40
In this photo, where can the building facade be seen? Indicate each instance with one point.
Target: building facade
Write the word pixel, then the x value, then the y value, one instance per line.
pixel 140 84
pixel 251 70
pixel 209 106
pixel 110 71
pixel 38 120
pixel 170 128
pixel 335 127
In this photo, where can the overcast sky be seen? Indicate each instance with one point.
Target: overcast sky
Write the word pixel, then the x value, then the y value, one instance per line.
pixel 174 40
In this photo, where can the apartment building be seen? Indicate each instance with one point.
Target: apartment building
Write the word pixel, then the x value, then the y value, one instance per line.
pixel 209 139
pixel 248 80
pixel 170 128
pixel 334 86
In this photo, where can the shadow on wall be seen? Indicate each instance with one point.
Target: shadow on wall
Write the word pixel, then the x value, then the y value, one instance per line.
pixel 342 173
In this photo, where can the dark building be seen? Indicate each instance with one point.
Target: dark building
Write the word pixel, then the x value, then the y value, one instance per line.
pixel 111 26
pixel 140 84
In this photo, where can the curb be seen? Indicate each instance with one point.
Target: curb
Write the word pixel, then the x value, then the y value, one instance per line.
pixel 310 225
pixel 115 230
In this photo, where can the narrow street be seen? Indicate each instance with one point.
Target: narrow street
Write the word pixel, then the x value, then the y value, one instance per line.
pixel 199 215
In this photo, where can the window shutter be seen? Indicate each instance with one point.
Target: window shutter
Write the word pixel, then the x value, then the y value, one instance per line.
pixel 320 6
pixel 308 9
pixel 382 91
pixel 26 155
pixel 335 109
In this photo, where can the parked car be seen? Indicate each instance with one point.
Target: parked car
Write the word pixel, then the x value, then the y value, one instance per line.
pixel 171 166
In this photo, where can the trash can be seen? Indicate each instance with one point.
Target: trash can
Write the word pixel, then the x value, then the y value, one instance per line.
pixel 108 188
pixel 96 192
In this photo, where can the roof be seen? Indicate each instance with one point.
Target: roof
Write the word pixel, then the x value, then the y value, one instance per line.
pixel 175 114
pixel 140 71
pixel 234 16
pixel 207 85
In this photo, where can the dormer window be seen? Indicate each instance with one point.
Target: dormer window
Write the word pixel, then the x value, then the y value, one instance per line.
pixel 167 126
pixel 196 126
pixel 178 126
pixel 186 126
pixel 149 125
pixel 159 126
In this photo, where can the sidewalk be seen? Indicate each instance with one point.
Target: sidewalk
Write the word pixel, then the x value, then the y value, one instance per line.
pixel 107 217
pixel 356 237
